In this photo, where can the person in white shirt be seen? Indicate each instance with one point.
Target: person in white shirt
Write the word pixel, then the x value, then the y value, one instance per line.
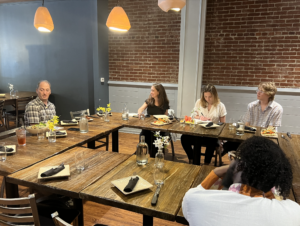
pixel 208 108
pixel 260 167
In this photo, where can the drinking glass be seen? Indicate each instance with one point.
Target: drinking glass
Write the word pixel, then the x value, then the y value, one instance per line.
pixel 21 136
pixel 16 93
pixel 231 124
pixel 241 130
pixel 2 152
pixel 125 113
pixel 40 136
pixel 79 161
pixel 52 136
pixel 159 176
pixel 106 117
pixel 142 116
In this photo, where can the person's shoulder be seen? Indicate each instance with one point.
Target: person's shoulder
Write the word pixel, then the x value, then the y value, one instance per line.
pixel 253 103
pixel 277 105
pixel 222 105
pixel 32 103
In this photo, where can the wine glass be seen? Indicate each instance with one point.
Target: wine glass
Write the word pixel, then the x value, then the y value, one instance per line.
pixel 159 176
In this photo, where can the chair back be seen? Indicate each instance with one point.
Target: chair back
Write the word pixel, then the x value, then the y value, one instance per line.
pixel 25 213
pixel 1 107
pixel 79 113
pixel 22 102
pixel 58 221
pixel 8 133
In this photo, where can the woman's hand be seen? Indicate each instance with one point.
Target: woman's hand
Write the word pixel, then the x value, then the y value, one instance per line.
pixel 197 117
pixel 204 118
pixel 221 171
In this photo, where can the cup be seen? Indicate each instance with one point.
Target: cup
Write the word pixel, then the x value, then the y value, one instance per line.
pixel 125 114
pixel 79 161
pixel 16 93
pixel 2 152
pixel 21 136
pixel 241 129
pixel 40 136
pixel 231 124
pixel 159 176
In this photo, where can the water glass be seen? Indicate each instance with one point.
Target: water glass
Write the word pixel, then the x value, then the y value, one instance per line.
pixel 16 93
pixel 159 176
pixel 125 114
pixel 40 136
pixel 2 152
pixel 21 136
pixel 79 161
pixel 241 129
pixel 52 136
pixel 106 117
pixel 231 124
pixel 142 115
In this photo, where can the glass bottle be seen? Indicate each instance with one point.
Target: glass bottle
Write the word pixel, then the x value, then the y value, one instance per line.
pixel 83 124
pixel 142 152
pixel 159 158
pixel 52 136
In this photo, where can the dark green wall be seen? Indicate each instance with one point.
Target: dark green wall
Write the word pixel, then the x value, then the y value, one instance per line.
pixel 73 57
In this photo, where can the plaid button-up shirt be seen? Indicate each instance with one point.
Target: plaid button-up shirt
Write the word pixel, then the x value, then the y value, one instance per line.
pixel 271 116
pixel 36 111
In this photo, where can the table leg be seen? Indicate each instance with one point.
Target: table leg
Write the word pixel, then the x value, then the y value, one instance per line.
pixel 91 144
pixel 12 190
pixel 196 158
pixel 147 220
pixel 79 207
pixel 115 141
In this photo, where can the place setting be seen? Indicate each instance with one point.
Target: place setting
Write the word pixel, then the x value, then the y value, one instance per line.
pixel 6 150
pixel 53 172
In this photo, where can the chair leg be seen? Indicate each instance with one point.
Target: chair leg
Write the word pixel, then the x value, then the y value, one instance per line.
pixel 2 188
pixel 107 142
pixel 172 145
pixel 7 121
pixel 216 157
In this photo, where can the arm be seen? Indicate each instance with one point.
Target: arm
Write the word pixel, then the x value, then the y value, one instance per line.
pixel 142 108
pixel 277 117
pixel 223 119
pixel 166 113
pixel 32 115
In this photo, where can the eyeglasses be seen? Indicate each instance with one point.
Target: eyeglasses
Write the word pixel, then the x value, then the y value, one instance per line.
pixel 259 91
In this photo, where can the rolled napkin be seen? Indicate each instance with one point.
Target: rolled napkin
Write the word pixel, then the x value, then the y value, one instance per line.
pixel 53 171
pixel 74 129
pixel 210 124
pixel 250 128
pixel 60 133
pixel 69 121
pixel 131 184
pixel 7 149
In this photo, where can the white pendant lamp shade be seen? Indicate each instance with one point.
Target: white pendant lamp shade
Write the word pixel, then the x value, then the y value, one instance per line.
pixel 176 5
pixel 118 20
pixel 43 20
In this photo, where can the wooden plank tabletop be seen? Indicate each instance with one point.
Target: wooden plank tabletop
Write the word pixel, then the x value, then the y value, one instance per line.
pixel 146 124
pixel 97 163
pixel 230 135
pixel 292 150
pixel 195 130
pixel 204 171
pixel 179 178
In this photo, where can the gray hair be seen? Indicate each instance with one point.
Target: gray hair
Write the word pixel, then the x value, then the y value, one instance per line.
pixel 38 85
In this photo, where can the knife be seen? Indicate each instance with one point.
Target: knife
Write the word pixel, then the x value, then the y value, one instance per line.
pixel 155 196
pixel 289 135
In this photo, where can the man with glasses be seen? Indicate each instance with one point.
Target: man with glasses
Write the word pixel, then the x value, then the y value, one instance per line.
pixel 263 112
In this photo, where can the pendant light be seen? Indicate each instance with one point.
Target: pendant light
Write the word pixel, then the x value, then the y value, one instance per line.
pixel 118 20
pixel 176 5
pixel 43 20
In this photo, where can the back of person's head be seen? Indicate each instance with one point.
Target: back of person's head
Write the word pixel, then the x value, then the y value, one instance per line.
pixel 162 96
pixel 268 88
pixel 211 89
pixel 264 165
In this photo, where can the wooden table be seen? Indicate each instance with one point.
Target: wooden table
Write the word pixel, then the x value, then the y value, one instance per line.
pixel 204 171
pixel 97 163
pixel 179 178
pixel 230 135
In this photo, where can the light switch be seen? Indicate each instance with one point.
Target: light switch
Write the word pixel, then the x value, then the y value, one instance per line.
pixel 102 79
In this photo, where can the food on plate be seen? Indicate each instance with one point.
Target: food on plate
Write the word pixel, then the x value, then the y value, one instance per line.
pixel 41 125
pixel 88 118
pixel 269 132
pixel 162 121
pixel 182 121
pixel 189 120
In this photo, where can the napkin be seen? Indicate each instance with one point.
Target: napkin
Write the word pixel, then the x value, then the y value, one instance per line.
pixel 69 121
pixel 60 133
pixel 250 128
pixel 210 124
pixel 131 184
pixel 74 129
pixel 7 149
pixel 53 171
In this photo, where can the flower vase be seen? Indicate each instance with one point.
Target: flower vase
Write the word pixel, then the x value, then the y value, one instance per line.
pixel 52 136
pixel 12 93
pixel 159 158
pixel 106 117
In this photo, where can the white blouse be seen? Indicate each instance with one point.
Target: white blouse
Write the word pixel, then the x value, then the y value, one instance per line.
pixel 215 112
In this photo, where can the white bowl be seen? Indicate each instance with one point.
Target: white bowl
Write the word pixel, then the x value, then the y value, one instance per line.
pixel 36 131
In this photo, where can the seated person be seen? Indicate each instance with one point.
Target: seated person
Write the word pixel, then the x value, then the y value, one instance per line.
pixel 208 108
pixel 260 166
pixel 40 109
pixel 263 112
pixel 156 104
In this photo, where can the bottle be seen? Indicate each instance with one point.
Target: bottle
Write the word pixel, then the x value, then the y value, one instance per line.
pixel 159 158
pixel 142 152
pixel 83 124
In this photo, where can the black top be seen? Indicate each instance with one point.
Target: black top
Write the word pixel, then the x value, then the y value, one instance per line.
pixel 155 110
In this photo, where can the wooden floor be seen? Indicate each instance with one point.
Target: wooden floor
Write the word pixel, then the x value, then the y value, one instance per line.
pixel 100 214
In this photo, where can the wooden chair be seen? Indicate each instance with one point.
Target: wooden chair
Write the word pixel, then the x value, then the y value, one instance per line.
pixel 1 113
pixel 217 155
pixel 75 114
pixel 18 112
pixel 60 222
pixel 25 215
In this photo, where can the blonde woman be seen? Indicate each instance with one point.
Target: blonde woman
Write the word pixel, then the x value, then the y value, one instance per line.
pixel 208 108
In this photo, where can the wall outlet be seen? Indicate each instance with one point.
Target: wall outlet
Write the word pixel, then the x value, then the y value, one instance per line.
pixel 102 80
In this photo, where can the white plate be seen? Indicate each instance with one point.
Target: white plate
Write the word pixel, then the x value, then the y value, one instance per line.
pixel 75 123
pixel 64 173
pixel 78 119
pixel 213 126
pixel 140 185
pixel 199 121
pixel 47 133
pixel 133 114
pixel 2 95
pixel 10 146
pixel 160 116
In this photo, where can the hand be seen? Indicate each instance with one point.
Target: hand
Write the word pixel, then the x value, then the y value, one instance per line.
pixel 204 118
pixel 221 171
pixel 197 117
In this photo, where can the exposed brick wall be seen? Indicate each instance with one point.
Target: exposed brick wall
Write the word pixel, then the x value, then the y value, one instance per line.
pixel 248 42
pixel 149 51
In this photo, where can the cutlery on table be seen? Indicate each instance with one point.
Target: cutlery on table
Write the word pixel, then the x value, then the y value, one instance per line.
pixel 289 135
pixel 283 137
pixel 155 196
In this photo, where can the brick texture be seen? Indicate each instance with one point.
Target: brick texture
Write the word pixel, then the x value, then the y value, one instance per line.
pixel 248 42
pixel 149 51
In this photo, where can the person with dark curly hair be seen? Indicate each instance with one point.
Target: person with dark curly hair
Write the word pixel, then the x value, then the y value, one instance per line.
pixel 247 198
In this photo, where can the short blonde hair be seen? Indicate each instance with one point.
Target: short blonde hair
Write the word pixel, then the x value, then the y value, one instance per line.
pixel 269 88
pixel 211 89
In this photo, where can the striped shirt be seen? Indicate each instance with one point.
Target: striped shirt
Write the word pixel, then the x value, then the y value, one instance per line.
pixel 36 111
pixel 271 116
